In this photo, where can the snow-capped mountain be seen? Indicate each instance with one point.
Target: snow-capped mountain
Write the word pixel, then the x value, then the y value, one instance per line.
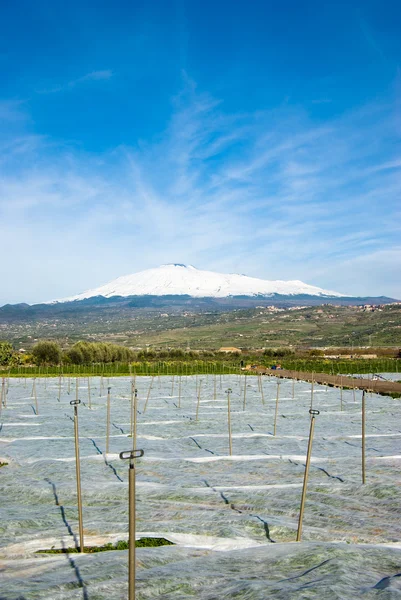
pixel 178 279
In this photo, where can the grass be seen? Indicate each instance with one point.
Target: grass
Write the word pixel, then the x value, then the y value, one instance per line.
pixel 146 542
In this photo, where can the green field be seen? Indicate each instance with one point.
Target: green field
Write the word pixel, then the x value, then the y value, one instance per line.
pixel 318 327
pixel 204 367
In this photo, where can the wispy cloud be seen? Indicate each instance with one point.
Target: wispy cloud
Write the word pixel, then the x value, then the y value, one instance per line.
pixel 270 194
pixel 69 85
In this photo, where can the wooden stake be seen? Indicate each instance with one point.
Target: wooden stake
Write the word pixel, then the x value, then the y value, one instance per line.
pixel 108 421
pixel 3 397
pixel 313 413
pixel 89 394
pixel 261 390
pixel 275 414
pixel 363 438
pixel 133 390
pixel 148 396
pixel 230 443
pixel 198 403
pixel 75 403
pixel 36 396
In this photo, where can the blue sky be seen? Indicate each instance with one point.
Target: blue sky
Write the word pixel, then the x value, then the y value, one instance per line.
pixel 258 137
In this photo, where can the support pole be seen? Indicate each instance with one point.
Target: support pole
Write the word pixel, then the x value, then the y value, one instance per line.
pixel 293 389
pixel 230 443
pixel 108 421
pixel 131 455
pixel 261 390
pixel 311 390
pixel 3 399
pixel 275 414
pixel 198 403
pixel 89 393
pixel 1 396
pixel 35 396
pixel 244 404
pixel 135 418
pixel 341 394
pixel 312 413
pixel 363 438
pixel 179 391
pixel 75 404
pixel 148 396
pixel 132 409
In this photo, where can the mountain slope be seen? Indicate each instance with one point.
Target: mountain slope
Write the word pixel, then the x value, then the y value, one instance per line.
pixel 177 279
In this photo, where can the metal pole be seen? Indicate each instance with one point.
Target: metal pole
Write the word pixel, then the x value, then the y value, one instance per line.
pixel 244 405
pixel 230 444
pixel 341 394
pixel 172 386
pixel 179 392
pixel 108 420
pixel 363 438
pixel 215 392
pixel 313 413
pixel 261 390
pixel 275 415
pixel 131 455
pixel 311 390
pixel 59 388
pixel 75 403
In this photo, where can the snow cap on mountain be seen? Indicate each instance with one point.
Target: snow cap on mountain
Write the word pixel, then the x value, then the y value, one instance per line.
pixel 179 279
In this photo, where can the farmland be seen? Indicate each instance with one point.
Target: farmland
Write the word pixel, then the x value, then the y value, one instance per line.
pixel 319 326
pixel 232 519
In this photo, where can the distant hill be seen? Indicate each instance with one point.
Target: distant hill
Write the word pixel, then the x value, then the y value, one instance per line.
pixel 178 303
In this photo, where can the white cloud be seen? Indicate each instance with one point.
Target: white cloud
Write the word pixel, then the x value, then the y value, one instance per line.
pixel 272 195
pixel 69 85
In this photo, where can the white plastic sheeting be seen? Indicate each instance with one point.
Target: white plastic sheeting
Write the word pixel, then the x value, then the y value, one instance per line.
pixel 233 519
